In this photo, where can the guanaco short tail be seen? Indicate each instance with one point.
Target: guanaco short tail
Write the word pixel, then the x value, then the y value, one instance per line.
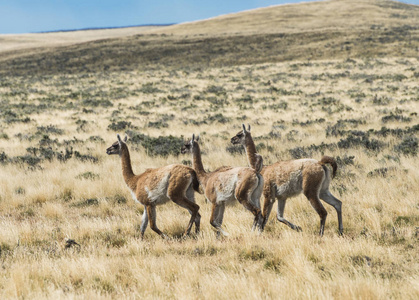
pixel 329 160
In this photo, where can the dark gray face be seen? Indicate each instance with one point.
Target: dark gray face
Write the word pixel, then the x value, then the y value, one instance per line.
pixel 114 149
pixel 186 148
pixel 238 138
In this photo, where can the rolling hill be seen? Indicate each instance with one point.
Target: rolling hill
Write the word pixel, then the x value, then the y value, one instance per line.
pixel 306 31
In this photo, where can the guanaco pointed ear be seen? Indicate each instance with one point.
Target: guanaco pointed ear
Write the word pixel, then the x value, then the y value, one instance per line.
pixel 244 129
pixel 197 138
pixel 125 138
pixel 248 127
pixel 193 138
pixel 119 138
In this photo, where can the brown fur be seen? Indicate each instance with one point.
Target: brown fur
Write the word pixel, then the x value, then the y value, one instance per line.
pixel 226 183
pixel 286 179
pixel 331 161
pixel 158 186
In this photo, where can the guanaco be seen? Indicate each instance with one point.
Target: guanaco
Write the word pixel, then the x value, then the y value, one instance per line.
pixel 157 186
pixel 286 179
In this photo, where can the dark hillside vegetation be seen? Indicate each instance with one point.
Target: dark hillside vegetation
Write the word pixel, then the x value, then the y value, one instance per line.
pixel 385 28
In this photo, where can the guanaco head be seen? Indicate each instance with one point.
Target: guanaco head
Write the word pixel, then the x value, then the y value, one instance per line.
pixel 240 137
pixel 189 145
pixel 116 147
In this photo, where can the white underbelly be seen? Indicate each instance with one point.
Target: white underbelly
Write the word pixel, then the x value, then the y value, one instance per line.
pixel 292 187
pixel 158 195
pixel 225 192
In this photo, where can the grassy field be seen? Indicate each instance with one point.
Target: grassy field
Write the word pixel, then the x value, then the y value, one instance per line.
pixel 57 183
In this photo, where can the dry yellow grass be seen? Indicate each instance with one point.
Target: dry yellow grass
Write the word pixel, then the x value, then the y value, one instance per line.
pixel 296 102
pixel 57 183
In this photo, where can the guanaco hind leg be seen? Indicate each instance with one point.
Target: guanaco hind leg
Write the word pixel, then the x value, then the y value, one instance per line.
pixel 244 195
pixel 190 194
pixel 192 208
pixel 327 197
pixel 268 202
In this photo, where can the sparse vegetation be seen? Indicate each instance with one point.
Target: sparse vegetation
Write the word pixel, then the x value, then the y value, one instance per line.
pixel 341 99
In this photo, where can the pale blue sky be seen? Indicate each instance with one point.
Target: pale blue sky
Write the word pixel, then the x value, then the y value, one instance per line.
pixel 23 16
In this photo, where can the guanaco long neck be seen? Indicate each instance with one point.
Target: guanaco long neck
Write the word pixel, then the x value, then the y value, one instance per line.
pixel 251 151
pixel 197 164
pixel 127 168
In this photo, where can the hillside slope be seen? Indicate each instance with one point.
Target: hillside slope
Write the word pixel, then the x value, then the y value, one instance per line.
pixel 305 17
pixel 316 30
pixel 14 42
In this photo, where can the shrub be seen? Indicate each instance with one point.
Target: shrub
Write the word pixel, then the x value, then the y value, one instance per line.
pixel 3 158
pixel 48 153
pixel 96 103
pixel 409 146
pixel 47 141
pixel 30 160
pixel 281 91
pixel 255 253
pixel 299 152
pixel 114 240
pixel 149 88
pixel 245 99
pixel 380 172
pixel 339 128
pixel 120 199
pixel 85 157
pixel 308 122
pixel 276 107
pixel 5 249
pixel 158 124
pixel 384 131
pixel 406 220
pixel 42 130
pixel 304 152
pixel 119 126
pixel 161 146
pixel 88 175
pixel 187 162
pixel 220 118
pixel 383 100
pixel 20 191
pixel 218 90
pixel 85 203
pixel 364 141
pixel 393 117
pixel 66 194
pixel 292 134
pixel 64 157
pixel 345 160
pixel 235 149
pixel 96 139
